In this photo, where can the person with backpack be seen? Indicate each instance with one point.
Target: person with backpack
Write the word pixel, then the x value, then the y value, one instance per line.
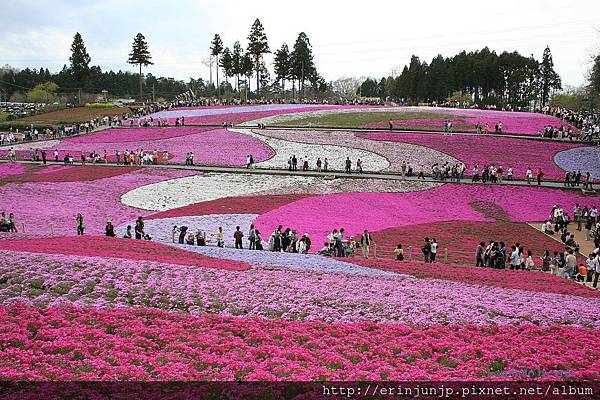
pixel 238 235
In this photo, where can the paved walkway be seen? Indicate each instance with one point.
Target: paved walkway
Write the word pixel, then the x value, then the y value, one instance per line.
pixel 327 175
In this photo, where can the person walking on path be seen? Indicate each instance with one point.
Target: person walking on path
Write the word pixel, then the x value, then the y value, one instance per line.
pixel 294 163
pixel 529 176
pixel 325 165
pixel 238 235
pixel 319 164
pixel 539 175
pixel 252 238
pixel 348 165
pixel 365 242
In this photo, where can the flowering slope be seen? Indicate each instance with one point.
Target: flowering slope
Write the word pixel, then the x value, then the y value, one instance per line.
pixel 481 150
pixel 236 115
pixel 120 135
pixel 336 154
pixel 130 249
pixel 379 211
pixel 230 205
pixel 140 344
pixel 584 159
pixel 465 120
pixel 38 205
pixel 166 195
pixel 47 280
pixel 521 280
pixel 396 153
pixel 462 237
pixel 11 169
pixel 210 146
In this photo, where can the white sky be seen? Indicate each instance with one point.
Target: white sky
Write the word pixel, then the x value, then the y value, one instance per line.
pixel 350 38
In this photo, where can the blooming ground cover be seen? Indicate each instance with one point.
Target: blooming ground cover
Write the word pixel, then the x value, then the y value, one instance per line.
pixel 280 293
pixel 419 118
pixel 584 159
pixel 236 115
pixel 418 156
pixel 378 211
pixel 169 194
pixel 37 205
pixel 143 344
pixel 67 173
pixel 521 280
pixel 96 308
pixel 11 169
pixel 101 246
pixel 210 146
pixel 481 150
pixel 462 237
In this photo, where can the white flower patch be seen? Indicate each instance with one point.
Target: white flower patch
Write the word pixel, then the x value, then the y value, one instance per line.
pixel 181 192
pixel 46 144
pixel 336 155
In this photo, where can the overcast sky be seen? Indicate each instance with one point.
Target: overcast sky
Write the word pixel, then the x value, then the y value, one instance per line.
pixel 350 38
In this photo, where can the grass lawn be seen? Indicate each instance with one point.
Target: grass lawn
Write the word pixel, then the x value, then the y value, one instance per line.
pixel 360 119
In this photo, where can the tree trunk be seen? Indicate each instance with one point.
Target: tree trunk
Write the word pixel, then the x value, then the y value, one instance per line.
pixel 283 87
pixel 217 68
pixel 257 78
pixel 140 82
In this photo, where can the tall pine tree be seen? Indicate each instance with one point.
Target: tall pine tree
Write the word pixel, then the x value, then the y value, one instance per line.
pixel 281 65
pixel 236 63
pixel 80 61
pixel 216 49
pixel 302 64
pixel 257 46
pixel 549 78
pixel 227 64
pixel 140 55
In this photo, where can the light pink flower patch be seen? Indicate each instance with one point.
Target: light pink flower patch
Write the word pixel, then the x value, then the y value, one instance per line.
pixel 318 215
pixel 37 205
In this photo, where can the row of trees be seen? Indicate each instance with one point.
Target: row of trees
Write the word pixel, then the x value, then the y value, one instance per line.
pixel 296 65
pixel 507 80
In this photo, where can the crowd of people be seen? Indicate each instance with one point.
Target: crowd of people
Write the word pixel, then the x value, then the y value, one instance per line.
pixel 321 165
pixel 587 123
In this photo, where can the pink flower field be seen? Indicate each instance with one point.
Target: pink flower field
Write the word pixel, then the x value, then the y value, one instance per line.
pixel 37 205
pixel 90 308
pixel 11 169
pixel 210 146
pixel 524 123
pixel 480 150
pixel 142 344
pixel 378 211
